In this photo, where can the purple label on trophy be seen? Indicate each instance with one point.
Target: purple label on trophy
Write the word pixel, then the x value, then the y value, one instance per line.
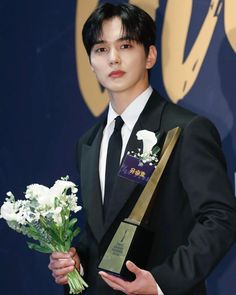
pixel 135 170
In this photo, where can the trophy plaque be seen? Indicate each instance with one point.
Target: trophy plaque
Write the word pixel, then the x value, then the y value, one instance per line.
pixel 132 240
pixel 128 243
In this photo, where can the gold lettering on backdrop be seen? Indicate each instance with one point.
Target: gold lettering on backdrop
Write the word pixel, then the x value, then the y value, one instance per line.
pixel 230 22
pixel 149 6
pixel 179 75
pixel 95 99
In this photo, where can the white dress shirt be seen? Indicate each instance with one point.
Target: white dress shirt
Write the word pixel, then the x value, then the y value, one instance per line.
pixel 130 117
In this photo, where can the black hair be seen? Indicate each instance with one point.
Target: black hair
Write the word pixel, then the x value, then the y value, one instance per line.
pixel 136 23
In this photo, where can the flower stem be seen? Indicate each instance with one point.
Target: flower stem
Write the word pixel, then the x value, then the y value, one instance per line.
pixel 76 282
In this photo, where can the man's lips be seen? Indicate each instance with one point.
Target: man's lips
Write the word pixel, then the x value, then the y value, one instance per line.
pixel 116 74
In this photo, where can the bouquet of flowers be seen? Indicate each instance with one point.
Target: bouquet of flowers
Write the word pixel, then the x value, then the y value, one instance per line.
pixel 44 216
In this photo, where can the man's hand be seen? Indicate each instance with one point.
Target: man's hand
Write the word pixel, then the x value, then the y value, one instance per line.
pixel 63 263
pixel 143 284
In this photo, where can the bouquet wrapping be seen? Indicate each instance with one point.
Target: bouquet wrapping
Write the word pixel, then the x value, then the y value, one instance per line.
pixel 45 216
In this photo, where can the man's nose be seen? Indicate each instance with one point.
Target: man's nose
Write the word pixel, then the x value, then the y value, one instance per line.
pixel 114 57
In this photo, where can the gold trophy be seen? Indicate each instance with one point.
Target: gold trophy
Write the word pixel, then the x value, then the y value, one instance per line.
pixel 132 240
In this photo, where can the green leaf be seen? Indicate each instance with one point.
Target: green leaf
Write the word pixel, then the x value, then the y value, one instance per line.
pixel 67 245
pixel 76 232
pixel 72 222
pixel 54 234
pixel 32 235
pixel 155 149
pixel 39 248
pixel 32 232
pixel 68 236
pixel 52 230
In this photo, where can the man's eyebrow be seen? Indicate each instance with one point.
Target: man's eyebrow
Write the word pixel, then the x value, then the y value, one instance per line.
pixel 124 38
pixel 99 42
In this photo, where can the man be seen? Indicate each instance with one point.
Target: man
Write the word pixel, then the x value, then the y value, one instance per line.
pixel 194 212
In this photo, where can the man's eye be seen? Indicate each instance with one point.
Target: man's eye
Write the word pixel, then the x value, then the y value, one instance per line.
pixel 100 50
pixel 125 46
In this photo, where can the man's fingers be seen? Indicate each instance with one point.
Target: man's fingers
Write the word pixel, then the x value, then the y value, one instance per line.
pixel 112 278
pixel 60 255
pixel 60 263
pixel 74 255
pixel 63 271
pixel 114 282
pixel 133 268
pixel 72 252
pixel 63 263
pixel 62 280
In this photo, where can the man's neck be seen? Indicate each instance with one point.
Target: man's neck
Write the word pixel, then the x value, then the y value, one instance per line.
pixel 120 101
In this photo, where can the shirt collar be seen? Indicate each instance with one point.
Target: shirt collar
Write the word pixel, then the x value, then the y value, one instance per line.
pixel 133 111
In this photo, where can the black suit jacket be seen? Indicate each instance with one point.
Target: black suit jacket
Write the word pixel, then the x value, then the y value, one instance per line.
pixel 194 212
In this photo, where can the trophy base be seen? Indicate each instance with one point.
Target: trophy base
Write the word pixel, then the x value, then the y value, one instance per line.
pixel 131 242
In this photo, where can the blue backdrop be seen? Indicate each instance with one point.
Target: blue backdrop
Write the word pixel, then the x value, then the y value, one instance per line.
pixel 43 113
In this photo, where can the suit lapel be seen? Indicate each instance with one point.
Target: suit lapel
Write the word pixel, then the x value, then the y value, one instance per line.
pixel 150 120
pixel 90 184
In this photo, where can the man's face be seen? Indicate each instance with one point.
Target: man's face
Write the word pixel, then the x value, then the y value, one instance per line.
pixel 119 64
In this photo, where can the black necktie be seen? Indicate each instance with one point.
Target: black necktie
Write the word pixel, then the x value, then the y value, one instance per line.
pixel 113 161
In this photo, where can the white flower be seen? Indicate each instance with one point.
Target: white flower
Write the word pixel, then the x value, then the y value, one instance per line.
pixel 8 212
pixel 76 208
pixel 31 216
pixel 61 185
pixel 40 193
pixel 55 214
pixel 12 212
pixel 35 190
pixel 72 199
pixel 149 140
pixel 10 194
pixel 150 149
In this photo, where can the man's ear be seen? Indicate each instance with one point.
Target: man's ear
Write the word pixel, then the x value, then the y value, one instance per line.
pixel 152 57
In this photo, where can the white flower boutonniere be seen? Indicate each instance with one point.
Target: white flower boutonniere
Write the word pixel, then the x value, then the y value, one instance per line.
pixel 150 148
